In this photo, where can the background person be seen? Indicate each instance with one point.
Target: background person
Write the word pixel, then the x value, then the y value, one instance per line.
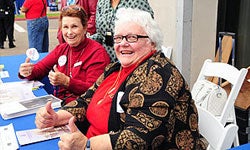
pixel 16 8
pixel 76 64
pixel 105 18
pixel 90 8
pixel 37 24
pixel 140 102
pixel 7 9
pixel 13 9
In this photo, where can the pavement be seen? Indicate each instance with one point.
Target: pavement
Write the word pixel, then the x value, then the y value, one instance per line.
pixel 21 37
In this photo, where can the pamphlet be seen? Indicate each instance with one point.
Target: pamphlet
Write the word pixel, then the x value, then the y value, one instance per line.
pixel 29 106
pixel 37 135
pixel 15 91
pixel 8 139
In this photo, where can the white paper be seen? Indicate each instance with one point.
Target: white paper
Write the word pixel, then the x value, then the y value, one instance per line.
pixel 4 74
pixel 118 106
pixel 8 139
pixel 37 84
pixel 29 106
pixel 12 107
pixel 37 135
pixel 16 91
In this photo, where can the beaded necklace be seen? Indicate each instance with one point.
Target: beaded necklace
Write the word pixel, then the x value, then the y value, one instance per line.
pixel 110 91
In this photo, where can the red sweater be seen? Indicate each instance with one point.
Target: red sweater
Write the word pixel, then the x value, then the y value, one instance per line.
pixel 85 66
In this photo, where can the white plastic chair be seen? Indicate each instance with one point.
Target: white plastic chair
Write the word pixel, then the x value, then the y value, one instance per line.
pixel 218 136
pixel 232 75
pixel 167 51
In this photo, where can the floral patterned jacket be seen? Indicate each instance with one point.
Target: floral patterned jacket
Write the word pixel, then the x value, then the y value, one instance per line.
pixel 159 112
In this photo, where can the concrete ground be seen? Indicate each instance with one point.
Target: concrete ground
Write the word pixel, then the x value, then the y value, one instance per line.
pixel 21 38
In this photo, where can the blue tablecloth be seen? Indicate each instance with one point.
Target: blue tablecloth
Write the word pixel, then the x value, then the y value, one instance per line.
pixel 242 147
pixel 11 64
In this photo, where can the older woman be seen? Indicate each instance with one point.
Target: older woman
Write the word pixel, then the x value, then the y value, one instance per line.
pixel 140 102
pixel 105 20
pixel 90 9
pixel 76 64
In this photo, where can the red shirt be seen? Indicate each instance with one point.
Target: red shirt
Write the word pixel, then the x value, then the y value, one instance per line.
pixel 35 8
pixel 99 107
pixel 102 102
pixel 86 64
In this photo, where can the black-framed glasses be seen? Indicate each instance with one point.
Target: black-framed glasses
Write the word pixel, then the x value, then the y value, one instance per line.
pixel 131 38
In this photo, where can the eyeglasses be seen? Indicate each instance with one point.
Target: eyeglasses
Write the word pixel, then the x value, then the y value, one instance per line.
pixel 131 38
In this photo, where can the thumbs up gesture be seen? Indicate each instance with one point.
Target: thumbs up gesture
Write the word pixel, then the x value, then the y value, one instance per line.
pixel 26 68
pixel 58 78
pixel 46 117
pixel 74 140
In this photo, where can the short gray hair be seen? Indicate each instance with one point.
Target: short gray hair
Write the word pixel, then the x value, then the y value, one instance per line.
pixel 144 19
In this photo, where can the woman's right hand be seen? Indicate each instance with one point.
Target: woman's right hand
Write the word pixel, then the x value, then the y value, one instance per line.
pixel 26 68
pixel 46 117
pixel 58 78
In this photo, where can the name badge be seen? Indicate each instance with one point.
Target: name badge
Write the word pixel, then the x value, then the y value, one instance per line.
pixel 118 106
pixel 32 53
pixel 62 60
pixel 77 63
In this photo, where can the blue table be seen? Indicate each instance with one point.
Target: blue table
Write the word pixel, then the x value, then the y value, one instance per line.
pixel 242 147
pixel 11 64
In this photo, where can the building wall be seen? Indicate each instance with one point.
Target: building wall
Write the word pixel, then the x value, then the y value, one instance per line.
pixel 165 15
pixel 189 26
pixel 203 35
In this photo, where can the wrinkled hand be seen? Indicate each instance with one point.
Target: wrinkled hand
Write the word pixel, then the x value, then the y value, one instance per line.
pixel 74 140
pixel 26 68
pixel 46 117
pixel 58 78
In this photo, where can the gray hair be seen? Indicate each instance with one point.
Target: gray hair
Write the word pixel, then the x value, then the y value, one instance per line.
pixel 144 19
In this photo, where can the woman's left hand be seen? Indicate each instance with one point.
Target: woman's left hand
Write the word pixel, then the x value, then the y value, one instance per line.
pixel 75 140
pixel 58 78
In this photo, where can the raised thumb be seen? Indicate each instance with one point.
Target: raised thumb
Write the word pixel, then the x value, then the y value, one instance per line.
pixel 72 126
pixel 27 60
pixel 49 109
pixel 55 68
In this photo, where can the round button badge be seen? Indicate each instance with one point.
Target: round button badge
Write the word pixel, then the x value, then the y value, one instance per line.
pixel 62 60
pixel 32 53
